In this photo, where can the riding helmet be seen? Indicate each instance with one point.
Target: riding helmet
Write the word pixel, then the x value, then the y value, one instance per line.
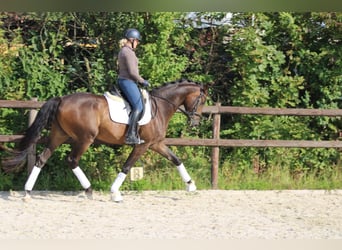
pixel 132 33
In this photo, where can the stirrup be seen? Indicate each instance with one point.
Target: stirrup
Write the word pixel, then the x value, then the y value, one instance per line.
pixel 132 140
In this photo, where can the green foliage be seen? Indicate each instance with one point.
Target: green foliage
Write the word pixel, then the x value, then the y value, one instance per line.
pixel 280 169
pixel 277 63
pixel 159 61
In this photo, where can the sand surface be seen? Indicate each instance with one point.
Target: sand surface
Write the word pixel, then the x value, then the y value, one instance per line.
pixel 204 214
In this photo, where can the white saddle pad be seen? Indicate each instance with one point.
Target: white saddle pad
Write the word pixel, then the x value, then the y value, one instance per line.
pixel 119 109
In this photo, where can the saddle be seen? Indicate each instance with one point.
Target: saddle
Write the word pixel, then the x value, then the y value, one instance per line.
pixel 120 109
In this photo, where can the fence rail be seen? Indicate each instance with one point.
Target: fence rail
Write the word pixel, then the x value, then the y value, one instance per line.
pixel 253 143
pixel 209 109
pixel 271 111
pixel 214 142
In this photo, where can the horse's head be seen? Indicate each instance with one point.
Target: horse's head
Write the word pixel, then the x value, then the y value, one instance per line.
pixel 194 103
pixel 183 92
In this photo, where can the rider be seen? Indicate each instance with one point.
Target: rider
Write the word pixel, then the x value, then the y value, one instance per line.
pixel 128 79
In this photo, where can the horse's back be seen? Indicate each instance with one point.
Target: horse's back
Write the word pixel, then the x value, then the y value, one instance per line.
pixel 80 102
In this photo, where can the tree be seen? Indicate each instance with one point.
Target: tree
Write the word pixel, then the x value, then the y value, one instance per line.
pixel 285 60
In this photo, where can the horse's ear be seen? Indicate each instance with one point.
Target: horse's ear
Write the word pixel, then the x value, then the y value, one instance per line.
pixel 207 86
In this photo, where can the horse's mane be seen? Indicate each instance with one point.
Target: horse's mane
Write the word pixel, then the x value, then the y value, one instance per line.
pixel 174 83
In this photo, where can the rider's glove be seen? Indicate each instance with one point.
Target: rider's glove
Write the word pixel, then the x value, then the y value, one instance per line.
pixel 145 83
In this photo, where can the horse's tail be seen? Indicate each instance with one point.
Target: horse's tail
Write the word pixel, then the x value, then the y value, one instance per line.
pixel 43 120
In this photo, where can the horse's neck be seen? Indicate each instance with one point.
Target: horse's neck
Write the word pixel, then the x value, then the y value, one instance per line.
pixel 175 95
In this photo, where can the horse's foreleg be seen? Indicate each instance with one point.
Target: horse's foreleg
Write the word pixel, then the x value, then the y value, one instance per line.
pixel 133 157
pixel 190 184
pixel 165 151
pixel 116 194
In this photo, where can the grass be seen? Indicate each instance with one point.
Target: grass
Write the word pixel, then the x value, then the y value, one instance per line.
pixel 275 178
pixel 162 175
pixel 279 179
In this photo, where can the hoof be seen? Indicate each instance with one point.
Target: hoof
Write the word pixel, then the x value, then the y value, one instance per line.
pixel 27 197
pixel 117 197
pixel 191 187
pixel 89 193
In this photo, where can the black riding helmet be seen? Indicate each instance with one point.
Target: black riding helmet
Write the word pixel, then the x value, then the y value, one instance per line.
pixel 132 33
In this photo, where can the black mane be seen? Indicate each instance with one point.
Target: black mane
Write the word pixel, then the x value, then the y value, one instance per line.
pixel 185 81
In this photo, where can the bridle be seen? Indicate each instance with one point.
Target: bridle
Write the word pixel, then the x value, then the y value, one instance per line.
pixel 190 114
pixel 198 101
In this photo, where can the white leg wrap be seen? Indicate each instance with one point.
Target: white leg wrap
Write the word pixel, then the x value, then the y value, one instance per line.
pixel 118 182
pixel 183 173
pixel 191 187
pixel 32 178
pixel 116 196
pixel 81 177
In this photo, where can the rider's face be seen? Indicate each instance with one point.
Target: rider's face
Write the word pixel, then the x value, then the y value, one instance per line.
pixel 135 43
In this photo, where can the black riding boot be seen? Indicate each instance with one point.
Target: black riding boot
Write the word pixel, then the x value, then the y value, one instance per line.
pixel 132 132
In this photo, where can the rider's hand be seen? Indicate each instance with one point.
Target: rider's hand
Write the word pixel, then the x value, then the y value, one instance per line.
pixel 145 83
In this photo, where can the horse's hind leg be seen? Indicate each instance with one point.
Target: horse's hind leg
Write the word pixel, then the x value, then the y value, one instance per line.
pixel 42 158
pixel 57 137
pixel 165 151
pixel 78 149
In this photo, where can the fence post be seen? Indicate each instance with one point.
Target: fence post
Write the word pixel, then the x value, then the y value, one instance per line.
pixel 215 153
pixel 31 153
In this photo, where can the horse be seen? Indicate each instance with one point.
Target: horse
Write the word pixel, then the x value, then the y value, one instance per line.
pixel 84 119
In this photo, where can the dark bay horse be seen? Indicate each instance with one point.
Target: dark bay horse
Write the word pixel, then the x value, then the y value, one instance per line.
pixel 84 118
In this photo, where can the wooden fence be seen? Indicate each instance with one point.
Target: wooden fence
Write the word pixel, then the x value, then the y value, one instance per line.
pixel 214 142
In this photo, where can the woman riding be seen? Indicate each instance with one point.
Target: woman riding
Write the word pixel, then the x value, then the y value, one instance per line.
pixel 128 79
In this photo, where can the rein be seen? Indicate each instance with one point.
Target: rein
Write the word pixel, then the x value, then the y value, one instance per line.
pixel 195 105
